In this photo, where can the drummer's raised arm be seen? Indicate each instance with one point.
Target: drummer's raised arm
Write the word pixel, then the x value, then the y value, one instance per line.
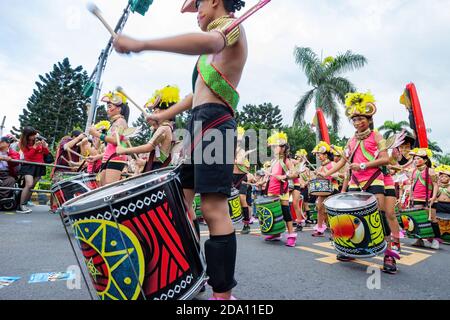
pixel 338 166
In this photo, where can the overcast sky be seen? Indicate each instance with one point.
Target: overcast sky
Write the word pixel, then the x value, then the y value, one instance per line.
pixel 403 40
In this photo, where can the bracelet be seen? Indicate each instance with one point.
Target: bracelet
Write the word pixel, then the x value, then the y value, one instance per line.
pixel 103 137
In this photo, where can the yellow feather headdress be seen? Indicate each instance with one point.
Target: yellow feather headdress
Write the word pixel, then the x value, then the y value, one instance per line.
pixel 337 151
pixel 301 153
pixel 444 169
pixel 164 98
pixel 278 139
pixel 322 147
pixel 421 152
pixel 240 133
pixel 115 97
pixel 267 165
pixel 360 104
pixel 103 125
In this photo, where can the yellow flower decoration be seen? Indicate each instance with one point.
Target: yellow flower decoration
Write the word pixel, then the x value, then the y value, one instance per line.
pixel 360 104
pixel 115 97
pixel 165 97
pixel 278 139
pixel 301 153
pixel 267 165
pixel 422 152
pixel 103 125
pixel 322 147
pixel 444 169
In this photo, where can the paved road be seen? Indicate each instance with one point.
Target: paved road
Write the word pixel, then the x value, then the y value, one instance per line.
pixel 37 243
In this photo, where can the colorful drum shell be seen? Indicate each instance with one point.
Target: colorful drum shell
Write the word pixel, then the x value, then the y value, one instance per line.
pixel 137 241
pixel 320 187
pixel 415 223
pixel 356 224
pixel 270 216
pixel 234 206
pixel 72 187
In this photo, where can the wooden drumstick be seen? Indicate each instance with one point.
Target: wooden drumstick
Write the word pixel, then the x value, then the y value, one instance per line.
pixel 131 146
pixel 76 153
pixel 120 89
pixel 96 12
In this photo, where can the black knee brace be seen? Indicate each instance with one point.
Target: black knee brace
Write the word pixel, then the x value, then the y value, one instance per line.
pixel 246 214
pixel 220 253
pixel 436 230
pixel 286 210
pixel 387 229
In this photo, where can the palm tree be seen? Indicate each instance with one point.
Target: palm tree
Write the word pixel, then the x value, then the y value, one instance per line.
pixel 328 84
pixel 443 159
pixel 391 128
pixel 433 146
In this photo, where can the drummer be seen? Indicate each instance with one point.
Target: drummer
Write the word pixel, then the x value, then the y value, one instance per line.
pixel 160 146
pixel 424 190
pixel 323 150
pixel 118 113
pixel 364 152
pixel 278 183
pixel 300 192
pixel 240 178
pixel 443 197
pixel 342 177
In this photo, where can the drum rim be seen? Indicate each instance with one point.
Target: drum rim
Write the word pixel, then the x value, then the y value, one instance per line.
pixel 70 209
pixel 264 197
pixel 74 178
pixel 354 208
pixel 365 255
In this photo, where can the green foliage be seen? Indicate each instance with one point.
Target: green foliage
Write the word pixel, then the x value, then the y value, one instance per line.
pixel 391 128
pixel 145 133
pixel 329 87
pixel 57 104
pixel 443 159
pixel 301 136
pixel 263 116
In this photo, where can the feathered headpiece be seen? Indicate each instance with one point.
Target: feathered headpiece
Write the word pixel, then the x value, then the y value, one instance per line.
pixel 360 104
pixel 422 152
pixel 190 5
pixel 337 151
pixel 103 125
pixel 301 153
pixel 278 139
pixel 115 98
pixel 322 147
pixel 267 165
pixel 444 169
pixel 164 98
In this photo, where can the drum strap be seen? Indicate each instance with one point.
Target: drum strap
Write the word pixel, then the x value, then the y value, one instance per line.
pixel 239 182
pixel 369 182
pixel 149 165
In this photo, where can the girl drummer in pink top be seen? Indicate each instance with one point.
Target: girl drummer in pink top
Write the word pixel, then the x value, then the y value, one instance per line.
pixel 323 150
pixel 367 155
pixel 280 173
pixel 118 113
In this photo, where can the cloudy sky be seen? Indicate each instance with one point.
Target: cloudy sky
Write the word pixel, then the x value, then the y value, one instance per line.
pixel 403 40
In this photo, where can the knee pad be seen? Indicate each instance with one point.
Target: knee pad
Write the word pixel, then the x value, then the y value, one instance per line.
pixel 246 214
pixel 387 229
pixel 286 213
pixel 220 253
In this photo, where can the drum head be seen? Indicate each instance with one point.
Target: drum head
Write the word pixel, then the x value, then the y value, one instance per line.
pixel 119 190
pixel 350 200
pixel 265 200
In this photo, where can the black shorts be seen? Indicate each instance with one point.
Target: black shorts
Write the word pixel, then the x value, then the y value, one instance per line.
pixel 32 170
pixel 297 188
pixel 305 195
pixel 390 193
pixel 238 180
pixel 443 210
pixel 424 203
pixel 213 175
pixel 119 166
pixel 372 189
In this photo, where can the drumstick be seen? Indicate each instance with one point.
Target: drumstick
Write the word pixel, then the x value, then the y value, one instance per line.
pixel 96 11
pixel 120 89
pixel 76 153
pixel 130 146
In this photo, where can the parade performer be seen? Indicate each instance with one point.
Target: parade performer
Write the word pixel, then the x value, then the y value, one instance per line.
pixel 63 156
pixel 424 189
pixel 298 199
pixel 278 183
pixel 118 113
pixel 323 150
pixel 342 177
pixel 305 176
pixel 160 145
pixel 367 153
pixel 443 200
pixel 8 169
pixel 222 47
pixel 240 179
